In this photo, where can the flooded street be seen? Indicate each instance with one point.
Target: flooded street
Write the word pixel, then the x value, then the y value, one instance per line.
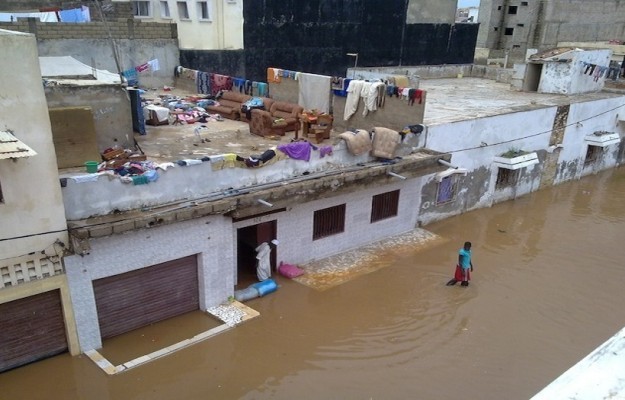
pixel 548 288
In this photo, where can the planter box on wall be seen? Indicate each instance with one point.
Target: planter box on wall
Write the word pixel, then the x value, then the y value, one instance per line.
pixel 603 140
pixel 516 162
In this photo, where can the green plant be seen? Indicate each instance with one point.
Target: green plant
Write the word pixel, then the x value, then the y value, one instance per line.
pixel 514 153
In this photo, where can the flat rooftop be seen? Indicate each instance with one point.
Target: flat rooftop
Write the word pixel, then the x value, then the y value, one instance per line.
pixel 448 100
pixel 459 99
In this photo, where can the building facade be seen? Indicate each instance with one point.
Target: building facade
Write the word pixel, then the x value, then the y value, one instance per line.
pixel 516 26
pixel 35 311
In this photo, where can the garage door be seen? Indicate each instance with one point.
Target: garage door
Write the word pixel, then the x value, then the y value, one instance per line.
pixel 139 298
pixel 32 329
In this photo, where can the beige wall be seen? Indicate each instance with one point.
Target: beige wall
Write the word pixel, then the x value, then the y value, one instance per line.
pixel 32 216
pixel 223 29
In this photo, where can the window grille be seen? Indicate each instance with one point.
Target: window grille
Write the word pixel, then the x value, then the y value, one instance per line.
pixel 329 221
pixel 506 177
pixel 384 205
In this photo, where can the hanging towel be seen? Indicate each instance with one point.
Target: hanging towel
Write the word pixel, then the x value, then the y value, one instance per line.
pixel 154 65
pixel 263 89
pixel 353 97
pixel 220 82
pixel 203 82
pixel 248 87
pixel 314 92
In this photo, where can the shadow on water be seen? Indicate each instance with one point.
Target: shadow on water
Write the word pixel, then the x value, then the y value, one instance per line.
pixel 547 290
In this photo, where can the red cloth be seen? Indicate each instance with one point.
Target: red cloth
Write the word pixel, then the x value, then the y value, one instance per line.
pixel 458 275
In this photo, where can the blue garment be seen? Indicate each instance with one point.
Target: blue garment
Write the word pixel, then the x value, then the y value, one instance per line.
pixel 465 255
pixel 75 15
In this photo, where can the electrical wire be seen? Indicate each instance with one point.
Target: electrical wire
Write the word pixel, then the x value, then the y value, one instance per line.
pixel 536 134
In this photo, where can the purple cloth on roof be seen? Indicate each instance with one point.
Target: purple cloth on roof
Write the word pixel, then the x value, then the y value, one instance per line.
pixel 296 150
pixel 325 150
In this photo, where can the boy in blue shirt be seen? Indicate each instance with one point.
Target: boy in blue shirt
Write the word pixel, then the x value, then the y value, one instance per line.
pixel 464 267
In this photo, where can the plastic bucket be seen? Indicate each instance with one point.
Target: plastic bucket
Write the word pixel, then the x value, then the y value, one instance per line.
pixel 265 287
pixel 92 166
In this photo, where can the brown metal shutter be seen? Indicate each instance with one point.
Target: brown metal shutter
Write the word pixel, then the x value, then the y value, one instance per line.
pixel 145 296
pixel 31 329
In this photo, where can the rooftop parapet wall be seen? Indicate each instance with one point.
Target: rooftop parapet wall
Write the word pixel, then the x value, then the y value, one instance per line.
pixel 107 193
pixel 119 29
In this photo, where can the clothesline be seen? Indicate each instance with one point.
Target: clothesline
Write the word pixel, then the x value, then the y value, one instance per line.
pixel 212 83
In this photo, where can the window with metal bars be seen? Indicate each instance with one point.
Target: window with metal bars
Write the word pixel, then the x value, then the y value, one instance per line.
pixel 384 205
pixel 329 221
pixel 592 154
pixel 506 177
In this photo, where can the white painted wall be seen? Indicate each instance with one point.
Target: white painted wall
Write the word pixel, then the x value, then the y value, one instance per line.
pixel 130 251
pixel 295 227
pixel 32 204
pixel 599 115
pixel 569 78
pixel 222 31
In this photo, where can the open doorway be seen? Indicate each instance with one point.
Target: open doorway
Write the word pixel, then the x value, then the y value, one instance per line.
pixel 532 77
pixel 248 239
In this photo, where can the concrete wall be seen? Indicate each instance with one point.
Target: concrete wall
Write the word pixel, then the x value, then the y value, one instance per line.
pixel 33 206
pixel 431 12
pixel 396 114
pixel 569 78
pixel 137 42
pixel 571 156
pixel 295 227
pixel 139 249
pixel 86 199
pixel 110 106
pixel 546 23
pixel 475 143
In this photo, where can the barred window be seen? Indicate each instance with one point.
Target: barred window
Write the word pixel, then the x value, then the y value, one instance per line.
pixel 506 177
pixel 592 154
pixel 384 205
pixel 329 221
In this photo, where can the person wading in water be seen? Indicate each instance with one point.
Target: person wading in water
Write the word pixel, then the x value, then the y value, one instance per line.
pixel 464 267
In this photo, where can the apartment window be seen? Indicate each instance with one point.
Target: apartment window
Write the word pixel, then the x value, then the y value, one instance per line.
pixel 384 205
pixel 183 10
pixel 446 190
pixel 165 10
pixel 202 11
pixel 498 8
pixel 329 221
pixel 506 177
pixel 512 9
pixel 141 9
pixel 521 25
pixel 592 154
pixel 508 31
pixel 524 3
pixel 1 196
pixel 496 29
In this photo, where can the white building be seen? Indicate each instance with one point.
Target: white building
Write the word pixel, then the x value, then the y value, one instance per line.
pixel 35 312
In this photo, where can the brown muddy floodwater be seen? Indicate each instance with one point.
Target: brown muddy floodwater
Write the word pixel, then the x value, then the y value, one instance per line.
pixel 547 289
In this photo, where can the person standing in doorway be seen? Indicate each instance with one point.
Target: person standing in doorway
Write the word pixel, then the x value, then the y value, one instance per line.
pixel 263 255
pixel 464 267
